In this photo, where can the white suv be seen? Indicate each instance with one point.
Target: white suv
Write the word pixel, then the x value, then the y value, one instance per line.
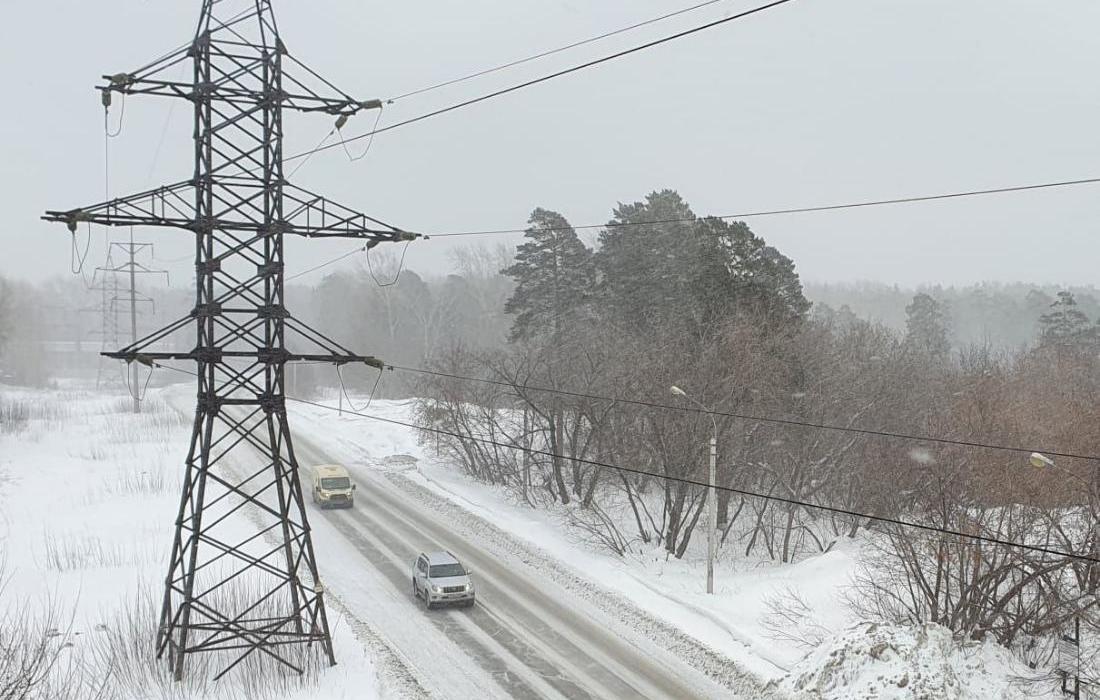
pixel 440 579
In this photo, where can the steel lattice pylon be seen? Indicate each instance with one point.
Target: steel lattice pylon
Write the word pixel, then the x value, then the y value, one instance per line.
pixel 239 207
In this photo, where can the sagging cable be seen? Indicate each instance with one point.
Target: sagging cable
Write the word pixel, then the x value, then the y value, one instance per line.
pixel 370 142
pixel 400 266
pixel 370 397
pixel 140 396
pixel 105 98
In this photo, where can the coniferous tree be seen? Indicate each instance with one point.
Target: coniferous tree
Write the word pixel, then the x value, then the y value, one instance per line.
pixel 645 263
pixel 663 268
pixel 554 275
pixel 1064 324
pixel 926 327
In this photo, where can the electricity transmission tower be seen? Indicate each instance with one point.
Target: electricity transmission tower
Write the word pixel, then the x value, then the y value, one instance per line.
pixel 226 591
pixel 131 269
pixel 107 311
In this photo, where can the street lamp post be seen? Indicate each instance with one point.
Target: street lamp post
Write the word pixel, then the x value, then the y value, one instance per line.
pixel 712 495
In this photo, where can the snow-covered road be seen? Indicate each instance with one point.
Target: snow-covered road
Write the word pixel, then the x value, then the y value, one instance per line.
pixel 526 638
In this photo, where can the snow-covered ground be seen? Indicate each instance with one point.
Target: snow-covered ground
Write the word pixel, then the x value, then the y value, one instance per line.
pixel 88 493
pixel 825 653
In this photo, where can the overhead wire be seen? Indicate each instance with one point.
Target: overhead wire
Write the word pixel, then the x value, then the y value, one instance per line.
pixel 320 143
pixel 550 52
pixel 144 391
pixel 370 397
pixel 551 76
pixel 796 210
pixel 325 264
pixel 897 522
pixel 757 213
pixel 323 141
pixel 121 118
pixel 77 259
pixel 687 408
pixel 344 142
pixel 400 268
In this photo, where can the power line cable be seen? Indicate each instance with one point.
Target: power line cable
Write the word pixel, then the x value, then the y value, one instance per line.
pixel 694 482
pixel 361 156
pixel 750 417
pixel 400 268
pixel 751 214
pixel 320 143
pixel 729 489
pixel 344 389
pixel 797 210
pixel 550 52
pixel 121 118
pixel 551 76
pixel 326 264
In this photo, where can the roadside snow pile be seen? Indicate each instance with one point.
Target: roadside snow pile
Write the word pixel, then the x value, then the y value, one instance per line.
pixel 912 662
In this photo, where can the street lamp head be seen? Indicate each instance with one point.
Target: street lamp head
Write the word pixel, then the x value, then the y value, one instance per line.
pixel 677 391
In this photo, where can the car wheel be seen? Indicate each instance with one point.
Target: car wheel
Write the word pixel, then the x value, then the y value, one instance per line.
pixel 468 603
pixel 427 601
pixel 416 591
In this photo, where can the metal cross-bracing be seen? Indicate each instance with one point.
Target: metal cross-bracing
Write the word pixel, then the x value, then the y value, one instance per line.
pixel 254 593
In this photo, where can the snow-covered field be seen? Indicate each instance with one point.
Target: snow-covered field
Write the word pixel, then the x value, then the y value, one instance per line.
pixel 88 492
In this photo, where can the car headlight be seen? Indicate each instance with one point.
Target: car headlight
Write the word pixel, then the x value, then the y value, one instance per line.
pixel 437 589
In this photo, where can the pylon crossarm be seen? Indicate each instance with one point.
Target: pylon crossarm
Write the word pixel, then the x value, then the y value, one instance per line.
pixel 274 357
pixel 170 205
pixel 314 216
pixel 310 99
pixel 141 81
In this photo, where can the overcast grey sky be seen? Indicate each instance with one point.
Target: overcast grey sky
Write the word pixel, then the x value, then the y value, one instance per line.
pixel 814 102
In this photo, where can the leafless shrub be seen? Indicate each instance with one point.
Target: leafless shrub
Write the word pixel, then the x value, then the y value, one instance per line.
pixel 13 415
pixel 973 588
pixel 142 483
pixel 791 620
pixel 596 527
pixel 156 421
pixel 36 657
pixel 79 552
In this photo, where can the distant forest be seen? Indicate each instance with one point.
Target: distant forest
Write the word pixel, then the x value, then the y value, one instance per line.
pixel 1004 316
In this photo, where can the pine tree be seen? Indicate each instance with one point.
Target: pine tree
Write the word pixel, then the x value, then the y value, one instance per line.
pixel 926 327
pixel 1064 324
pixel 554 277
pixel 683 274
pixel 752 278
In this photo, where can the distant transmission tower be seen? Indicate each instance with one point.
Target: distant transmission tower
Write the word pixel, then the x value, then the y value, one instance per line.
pixel 129 295
pixel 239 206
pixel 107 335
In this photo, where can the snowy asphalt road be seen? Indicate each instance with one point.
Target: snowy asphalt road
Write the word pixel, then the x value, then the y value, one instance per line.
pixel 525 638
